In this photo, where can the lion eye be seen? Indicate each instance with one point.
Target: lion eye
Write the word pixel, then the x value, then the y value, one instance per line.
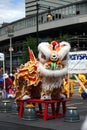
pixel 54 56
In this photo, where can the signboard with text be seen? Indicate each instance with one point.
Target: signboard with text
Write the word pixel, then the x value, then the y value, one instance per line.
pixel 77 62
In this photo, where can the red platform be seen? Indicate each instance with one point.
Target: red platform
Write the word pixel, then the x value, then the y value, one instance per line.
pixel 43 108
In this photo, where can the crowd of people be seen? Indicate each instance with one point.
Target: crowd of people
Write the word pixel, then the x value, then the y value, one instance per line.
pixel 7 84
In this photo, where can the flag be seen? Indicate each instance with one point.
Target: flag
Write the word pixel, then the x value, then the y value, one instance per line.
pixel 1 57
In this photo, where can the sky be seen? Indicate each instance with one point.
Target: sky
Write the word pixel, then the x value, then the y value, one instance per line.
pixel 11 10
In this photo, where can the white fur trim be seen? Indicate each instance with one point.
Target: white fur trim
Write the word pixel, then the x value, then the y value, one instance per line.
pixel 25 97
pixel 43 47
pixel 63 51
pixel 52 73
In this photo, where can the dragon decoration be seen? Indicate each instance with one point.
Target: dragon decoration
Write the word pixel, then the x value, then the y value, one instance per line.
pixel 43 78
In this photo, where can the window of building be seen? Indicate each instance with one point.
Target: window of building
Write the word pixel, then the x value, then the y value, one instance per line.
pixel 59 13
pixel 77 9
pixel 74 9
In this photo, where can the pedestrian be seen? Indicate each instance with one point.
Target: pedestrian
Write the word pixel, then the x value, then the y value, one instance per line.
pixel 1 71
pixel 8 83
pixel 11 76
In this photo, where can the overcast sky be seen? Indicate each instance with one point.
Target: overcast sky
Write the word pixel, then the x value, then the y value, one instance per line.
pixel 11 10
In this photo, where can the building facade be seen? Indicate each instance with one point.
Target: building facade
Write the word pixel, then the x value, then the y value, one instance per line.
pixel 67 19
pixel 31 5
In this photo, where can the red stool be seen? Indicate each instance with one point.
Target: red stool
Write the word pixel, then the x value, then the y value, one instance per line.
pixel 43 106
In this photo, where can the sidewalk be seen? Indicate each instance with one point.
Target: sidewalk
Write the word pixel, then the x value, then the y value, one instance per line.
pixel 54 124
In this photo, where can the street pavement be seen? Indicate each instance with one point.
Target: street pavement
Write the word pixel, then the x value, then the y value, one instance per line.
pixel 10 121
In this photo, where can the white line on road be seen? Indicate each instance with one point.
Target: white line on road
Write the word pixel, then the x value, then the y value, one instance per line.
pixel 74 104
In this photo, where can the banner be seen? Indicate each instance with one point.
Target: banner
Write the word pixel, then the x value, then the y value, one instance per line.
pixel 77 62
pixel 1 57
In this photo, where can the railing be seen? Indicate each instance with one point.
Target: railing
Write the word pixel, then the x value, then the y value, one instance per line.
pixel 58 13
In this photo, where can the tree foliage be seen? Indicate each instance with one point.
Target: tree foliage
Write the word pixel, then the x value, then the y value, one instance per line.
pixel 63 37
pixel 29 42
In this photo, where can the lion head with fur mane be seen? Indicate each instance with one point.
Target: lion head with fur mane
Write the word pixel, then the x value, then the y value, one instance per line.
pixel 53 63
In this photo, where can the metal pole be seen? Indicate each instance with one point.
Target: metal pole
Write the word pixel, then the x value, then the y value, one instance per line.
pixel 10 55
pixel 37 32
pixel 4 80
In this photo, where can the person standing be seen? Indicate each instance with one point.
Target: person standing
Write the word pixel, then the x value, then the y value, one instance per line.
pixel 8 83
pixel 1 71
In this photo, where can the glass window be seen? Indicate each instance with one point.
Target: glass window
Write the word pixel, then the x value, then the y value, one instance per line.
pixel 74 9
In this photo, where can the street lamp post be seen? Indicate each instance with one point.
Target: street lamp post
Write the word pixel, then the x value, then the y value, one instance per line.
pixel 37 32
pixel 36 7
pixel 49 15
pixel 10 35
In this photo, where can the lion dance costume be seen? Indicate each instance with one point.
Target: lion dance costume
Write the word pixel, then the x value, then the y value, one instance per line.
pixel 68 87
pixel 81 91
pixel 43 78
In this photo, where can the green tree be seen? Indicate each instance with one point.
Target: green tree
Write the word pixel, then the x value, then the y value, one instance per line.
pixel 29 42
pixel 63 37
